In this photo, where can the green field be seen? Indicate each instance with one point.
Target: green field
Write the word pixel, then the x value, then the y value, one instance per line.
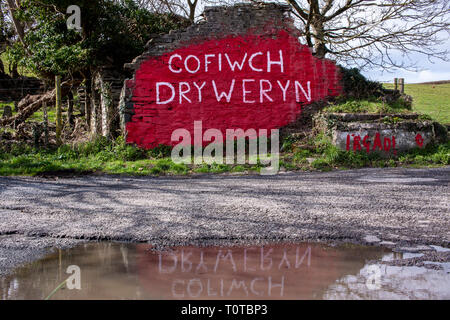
pixel 431 99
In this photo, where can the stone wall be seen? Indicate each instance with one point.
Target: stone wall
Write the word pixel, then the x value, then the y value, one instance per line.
pixel 14 90
pixel 380 133
pixel 242 67
pixel 105 96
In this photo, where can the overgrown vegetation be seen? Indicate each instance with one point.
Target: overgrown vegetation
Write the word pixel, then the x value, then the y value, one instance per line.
pixel 112 33
pixel 323 155
pixel 356 86
pixel 116 157
pixel 101 156
pixel 369 105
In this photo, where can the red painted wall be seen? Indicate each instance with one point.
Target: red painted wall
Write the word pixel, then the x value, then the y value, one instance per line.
pixel 262 92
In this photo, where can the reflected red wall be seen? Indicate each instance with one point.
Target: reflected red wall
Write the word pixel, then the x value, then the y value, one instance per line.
pixel 282 271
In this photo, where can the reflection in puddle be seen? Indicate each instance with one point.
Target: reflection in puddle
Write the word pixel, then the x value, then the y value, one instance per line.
pixel 396 283
pixel 279 271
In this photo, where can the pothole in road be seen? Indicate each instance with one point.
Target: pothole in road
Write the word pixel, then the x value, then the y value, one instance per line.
pixel 277 271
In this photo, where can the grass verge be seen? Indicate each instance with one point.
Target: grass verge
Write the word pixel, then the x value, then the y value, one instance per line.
pixel 115 157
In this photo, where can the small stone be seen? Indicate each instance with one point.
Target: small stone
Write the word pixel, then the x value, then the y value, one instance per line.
pixel 371 238
pixel 416 249
pixel 425 248
pixel 7 111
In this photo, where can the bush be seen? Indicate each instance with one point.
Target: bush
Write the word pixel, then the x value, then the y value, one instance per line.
pixel 161 151
pixel 94 147
pixel 66 152
pixel 179 168
pixel 370 105
pixel 288 143
pixel 238 168
pixel 320 164
pixel 164 164
pixel 352 106
pixel 127 152
pixel 355 85
pixel 18 149
pixel 301 155
pixel 219 168
pixel 155 170
pixel 321 142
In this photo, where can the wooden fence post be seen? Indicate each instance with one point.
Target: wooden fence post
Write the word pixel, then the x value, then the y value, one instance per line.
pixel 58 109
pixel 402 85
pixel 7 112
pixel 70 109
pixel 44 108
pixel 395 83
pixel 36 135
pixel 87 103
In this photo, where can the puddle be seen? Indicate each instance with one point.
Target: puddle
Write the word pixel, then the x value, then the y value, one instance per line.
pixel 279 271
pixel 440 249
pixel 401 255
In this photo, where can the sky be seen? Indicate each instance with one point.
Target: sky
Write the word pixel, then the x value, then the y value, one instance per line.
pixel 429 71
pixel 439 70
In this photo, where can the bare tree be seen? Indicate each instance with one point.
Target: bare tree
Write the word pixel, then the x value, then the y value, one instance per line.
pixel 186 8
pixel 12 7
pixel 3 35
pixel 192 5
pixel 363 33
pixel 371 33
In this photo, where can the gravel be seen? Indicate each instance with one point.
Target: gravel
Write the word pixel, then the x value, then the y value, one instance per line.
pixel 397 206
